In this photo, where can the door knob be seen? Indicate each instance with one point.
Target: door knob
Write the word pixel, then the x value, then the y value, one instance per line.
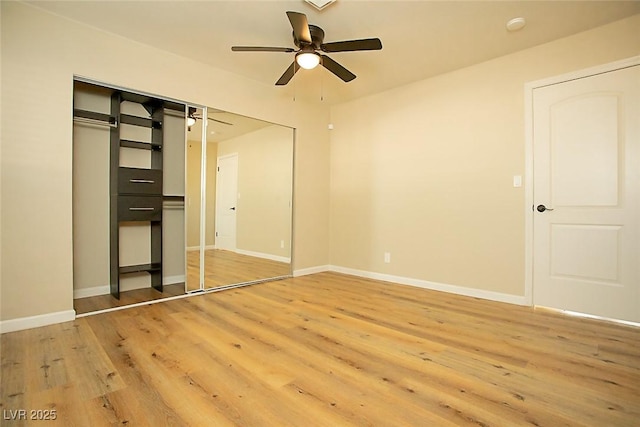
pixel 542 208
pixel 233 208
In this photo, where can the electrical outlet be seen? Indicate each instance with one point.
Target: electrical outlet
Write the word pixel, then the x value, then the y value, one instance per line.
pixel 387 257
pixel 281 244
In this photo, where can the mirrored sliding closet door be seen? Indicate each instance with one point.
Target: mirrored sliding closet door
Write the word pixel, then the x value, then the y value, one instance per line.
pixel 239 184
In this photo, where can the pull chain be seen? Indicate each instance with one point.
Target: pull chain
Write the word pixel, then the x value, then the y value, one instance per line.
pixel 321 85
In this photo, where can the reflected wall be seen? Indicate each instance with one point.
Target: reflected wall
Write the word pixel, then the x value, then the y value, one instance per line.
pixel 239 200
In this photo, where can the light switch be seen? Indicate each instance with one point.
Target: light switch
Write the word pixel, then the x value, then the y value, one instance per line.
pixel 517 180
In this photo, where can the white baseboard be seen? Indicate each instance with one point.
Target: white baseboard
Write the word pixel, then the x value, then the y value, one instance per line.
pixel 65 316
pixel 453 289
pixel 22 323
pixel 311 270
pixel 264 256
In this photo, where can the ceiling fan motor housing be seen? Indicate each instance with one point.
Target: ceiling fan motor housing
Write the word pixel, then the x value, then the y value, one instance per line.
pixel 317 37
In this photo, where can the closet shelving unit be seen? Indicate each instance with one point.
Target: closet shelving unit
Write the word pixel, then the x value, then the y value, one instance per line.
pixel 135 194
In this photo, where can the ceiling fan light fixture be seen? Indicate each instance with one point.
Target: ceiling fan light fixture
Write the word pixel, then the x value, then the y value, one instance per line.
pixel 308 60
pixel 191 121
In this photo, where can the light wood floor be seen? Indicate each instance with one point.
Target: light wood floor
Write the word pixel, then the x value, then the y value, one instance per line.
pixel 102 302
pixel 228 268
pixel 221 268
pixel 326 350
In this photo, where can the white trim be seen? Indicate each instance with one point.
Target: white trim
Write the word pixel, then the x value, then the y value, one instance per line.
pixel 528 149
pixel 91 292
pixel 444 287
pixel 588 316
pixel 311 270
pixel 185 295
pixel 264 256
pixel 22 323
pixel 585 72
pixel 528 194
pixel 138 304
pixel 203 190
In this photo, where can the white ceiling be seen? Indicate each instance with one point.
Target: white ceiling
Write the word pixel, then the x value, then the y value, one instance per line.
pixel 420 38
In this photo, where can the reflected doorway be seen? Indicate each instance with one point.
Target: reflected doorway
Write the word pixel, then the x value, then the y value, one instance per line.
pixel 239 200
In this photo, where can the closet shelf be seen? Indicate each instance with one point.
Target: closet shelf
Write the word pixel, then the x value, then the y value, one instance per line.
pixel 140 144
pixel 173 202
pixel 140 121
pixel 92 115
pixel 152 103
pixel 136 194
pixel 140 268
pixel 171 198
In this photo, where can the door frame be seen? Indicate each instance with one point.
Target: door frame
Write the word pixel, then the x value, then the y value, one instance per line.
pixel 528 172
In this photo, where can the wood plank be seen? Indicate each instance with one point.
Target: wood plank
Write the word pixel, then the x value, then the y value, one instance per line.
pixel 104 302
pixel 326 349
pixel 222 268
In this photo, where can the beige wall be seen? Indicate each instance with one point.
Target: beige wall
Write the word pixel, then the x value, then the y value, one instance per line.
pixel 40 55
pixel 265 166
pixel 425 171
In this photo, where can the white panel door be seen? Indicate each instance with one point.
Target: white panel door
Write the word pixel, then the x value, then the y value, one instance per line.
pixel 586 146
pixel 226 202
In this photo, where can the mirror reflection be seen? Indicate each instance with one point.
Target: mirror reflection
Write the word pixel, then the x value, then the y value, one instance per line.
pixel 238 199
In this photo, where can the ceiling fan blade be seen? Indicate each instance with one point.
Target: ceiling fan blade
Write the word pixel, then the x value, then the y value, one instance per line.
pixel 337 69
pixel 261 49
pixel 352 45
pixel 288 74
pixel 300 26
pixel 219 121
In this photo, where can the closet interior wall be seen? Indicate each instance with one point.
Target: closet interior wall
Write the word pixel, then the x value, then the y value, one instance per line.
pixel 93 235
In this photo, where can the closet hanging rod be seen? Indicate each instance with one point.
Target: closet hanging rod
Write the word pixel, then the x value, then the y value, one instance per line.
pixel 94 122
pixel 173 205
pixel 92 117
pixel 173 202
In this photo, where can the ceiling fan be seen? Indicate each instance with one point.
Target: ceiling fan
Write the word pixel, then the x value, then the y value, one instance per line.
pixel 192 116
pixel 309 40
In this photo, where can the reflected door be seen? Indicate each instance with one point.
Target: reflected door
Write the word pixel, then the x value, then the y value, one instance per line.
pixel 587 195
pixel 226 202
